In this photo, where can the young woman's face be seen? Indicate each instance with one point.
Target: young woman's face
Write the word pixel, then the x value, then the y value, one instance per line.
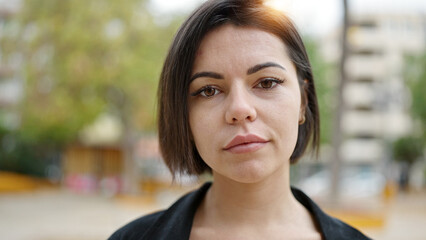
pixel 244 104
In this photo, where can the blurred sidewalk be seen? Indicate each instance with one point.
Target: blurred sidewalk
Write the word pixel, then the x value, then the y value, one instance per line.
pixel 55 214
pixel 405 218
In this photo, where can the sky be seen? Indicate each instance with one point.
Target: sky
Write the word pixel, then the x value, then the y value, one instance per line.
pixel 311 16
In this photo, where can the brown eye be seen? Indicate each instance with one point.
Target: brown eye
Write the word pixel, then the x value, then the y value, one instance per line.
pixel 209 92
pixel 268 83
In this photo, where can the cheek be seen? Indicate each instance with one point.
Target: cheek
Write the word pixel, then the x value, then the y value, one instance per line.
pixel 285 118
pixel 286 108
pixel 202 126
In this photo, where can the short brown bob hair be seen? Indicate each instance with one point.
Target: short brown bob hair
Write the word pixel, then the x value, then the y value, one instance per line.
pixel 176 143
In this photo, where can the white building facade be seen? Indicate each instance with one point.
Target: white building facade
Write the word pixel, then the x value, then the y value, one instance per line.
pixel 376 97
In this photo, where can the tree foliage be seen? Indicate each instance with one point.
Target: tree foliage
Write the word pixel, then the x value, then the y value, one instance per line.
pixel 407 149
pixel 82 58
pixel 324 88
pixel 415 75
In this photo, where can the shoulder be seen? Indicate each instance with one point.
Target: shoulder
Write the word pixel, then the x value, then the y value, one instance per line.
pixel 173 223
pixel 336 229
pixel 136 228
pixel 330 227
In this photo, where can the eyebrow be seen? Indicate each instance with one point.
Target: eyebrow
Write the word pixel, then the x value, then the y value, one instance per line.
pixel 251 70
pixel 207 74
pixel 261 66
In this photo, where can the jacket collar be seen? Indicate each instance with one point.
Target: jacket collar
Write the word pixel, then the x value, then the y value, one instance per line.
pixel 176 222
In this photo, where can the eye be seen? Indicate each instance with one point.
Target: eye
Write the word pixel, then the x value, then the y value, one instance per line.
pixel 268 83
pixel 207 91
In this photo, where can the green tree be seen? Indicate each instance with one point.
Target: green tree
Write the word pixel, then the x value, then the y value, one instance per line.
pixel 322 71
pixel 82 58
pixel 407 149
pixel 415 76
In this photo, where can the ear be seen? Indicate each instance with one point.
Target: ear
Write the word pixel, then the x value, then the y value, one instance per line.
pixel 303 102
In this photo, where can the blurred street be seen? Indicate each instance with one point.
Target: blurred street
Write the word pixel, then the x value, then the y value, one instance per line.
pixel 55 214
pixel 404 218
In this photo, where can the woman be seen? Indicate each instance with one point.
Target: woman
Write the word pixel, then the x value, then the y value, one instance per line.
pixel 237 99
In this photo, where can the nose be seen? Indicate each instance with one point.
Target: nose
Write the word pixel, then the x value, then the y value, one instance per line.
pixel 239 107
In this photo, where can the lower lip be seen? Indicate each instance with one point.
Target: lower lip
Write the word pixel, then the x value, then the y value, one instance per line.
pixel 247 148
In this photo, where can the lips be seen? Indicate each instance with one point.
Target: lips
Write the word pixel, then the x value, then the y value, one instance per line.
pixel 245 144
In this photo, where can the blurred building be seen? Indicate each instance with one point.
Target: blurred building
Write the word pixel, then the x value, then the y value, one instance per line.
pixel 93 169
pixel 96 163
pixel 376 100
pixel 376 97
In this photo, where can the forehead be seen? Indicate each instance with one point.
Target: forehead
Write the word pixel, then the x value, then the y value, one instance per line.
pixel 231 44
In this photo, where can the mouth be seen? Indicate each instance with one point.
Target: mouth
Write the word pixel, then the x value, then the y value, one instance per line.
pixel 245 144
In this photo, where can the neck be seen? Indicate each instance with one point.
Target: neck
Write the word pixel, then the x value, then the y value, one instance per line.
pixel 262 202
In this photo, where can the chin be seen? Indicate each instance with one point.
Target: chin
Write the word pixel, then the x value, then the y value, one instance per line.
pixel 249 172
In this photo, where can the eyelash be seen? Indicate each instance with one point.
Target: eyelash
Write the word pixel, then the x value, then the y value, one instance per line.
pixel 275 81
pixel 201 91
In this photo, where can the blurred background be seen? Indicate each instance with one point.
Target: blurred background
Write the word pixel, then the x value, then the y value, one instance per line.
pixel 78 146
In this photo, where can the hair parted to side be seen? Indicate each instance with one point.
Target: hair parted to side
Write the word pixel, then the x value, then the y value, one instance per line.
pixel 175 138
